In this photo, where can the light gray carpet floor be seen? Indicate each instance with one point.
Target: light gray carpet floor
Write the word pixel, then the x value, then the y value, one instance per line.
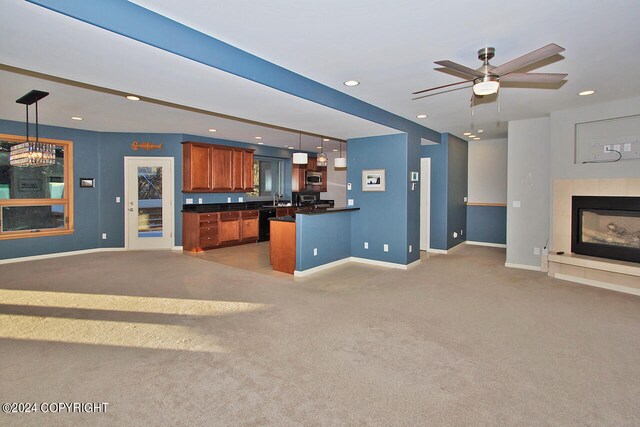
pixel 170 339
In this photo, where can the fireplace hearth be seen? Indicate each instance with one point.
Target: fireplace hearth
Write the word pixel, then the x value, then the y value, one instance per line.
pixel 606 227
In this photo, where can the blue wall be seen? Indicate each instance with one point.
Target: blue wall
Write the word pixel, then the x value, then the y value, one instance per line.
pixel 101 155
pixel 382 217
pixel 329 233
pixel 487 224
pixel 457 173
pixel 449 174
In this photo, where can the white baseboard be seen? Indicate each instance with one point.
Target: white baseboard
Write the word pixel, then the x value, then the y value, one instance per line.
pixel 176 248
pixel 598 284
pixel 384 263
pixel 522 266
pixel 321 267
pixel 437 251
pixel 493 245
pixel 59 254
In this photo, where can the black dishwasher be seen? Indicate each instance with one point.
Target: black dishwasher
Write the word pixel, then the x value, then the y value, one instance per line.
pixel 265 213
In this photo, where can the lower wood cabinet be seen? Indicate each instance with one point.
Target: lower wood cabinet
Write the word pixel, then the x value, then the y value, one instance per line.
pixel 202 231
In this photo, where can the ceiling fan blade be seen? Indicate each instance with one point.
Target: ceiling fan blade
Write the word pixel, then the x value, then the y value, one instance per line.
pixel 460 68
pixel 529 58
pixel 533 77
pixel 438 93
pixel 440 87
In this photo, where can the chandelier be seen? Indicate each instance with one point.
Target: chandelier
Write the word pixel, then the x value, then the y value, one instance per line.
pixel 32 153
pixel 322 159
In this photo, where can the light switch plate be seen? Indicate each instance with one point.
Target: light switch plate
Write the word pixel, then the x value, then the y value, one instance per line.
pixel 241 199
pixel 315 251
pixel 228 199
pixel 385 247
pixel 348 186
pixel 104 236
pixel 199 200
pixel 350 202
pixel 117 199
pixel 516 203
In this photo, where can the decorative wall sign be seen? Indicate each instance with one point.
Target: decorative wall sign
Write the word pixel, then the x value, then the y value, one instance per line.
pixel 146 146
pixel 87 182
pixel 373 180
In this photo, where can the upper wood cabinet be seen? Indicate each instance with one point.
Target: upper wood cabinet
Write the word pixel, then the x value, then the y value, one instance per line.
pixel 298 178
pixel 208 168
pixel 312 164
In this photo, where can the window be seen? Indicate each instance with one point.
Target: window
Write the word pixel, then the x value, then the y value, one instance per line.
pixel 268 177
pixel 36 200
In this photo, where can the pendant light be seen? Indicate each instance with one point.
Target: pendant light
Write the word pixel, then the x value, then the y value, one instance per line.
pixel 340 162
pixel 300 158
pixel 322 158
pixel 32 153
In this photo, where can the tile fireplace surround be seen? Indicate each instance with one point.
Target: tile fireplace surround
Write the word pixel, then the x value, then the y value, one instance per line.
pixel 617 275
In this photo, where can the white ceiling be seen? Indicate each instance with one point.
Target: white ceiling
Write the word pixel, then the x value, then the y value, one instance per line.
pixel 388 46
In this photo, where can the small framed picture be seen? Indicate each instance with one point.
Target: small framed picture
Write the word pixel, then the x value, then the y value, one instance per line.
pixel 373 180
pixel 87 182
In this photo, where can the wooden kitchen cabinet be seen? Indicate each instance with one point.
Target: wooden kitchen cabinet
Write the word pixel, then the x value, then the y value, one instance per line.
pixel 249 225
pixel 196 169
pixel 199 231
pixel 312 164
pixel 288 211
pixel 298 178
pixel 209 168
pixel 230 227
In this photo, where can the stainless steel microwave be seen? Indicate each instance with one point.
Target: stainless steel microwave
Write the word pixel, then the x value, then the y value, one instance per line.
pixel 314 178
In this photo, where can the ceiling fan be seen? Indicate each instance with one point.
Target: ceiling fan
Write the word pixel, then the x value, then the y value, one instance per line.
pixel 486 79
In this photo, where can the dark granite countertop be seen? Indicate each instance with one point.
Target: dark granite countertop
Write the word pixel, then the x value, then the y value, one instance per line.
pixel 283 219
pixel 328 211
pixel 225 207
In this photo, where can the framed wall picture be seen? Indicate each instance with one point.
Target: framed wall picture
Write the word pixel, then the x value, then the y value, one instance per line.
pixel 373 180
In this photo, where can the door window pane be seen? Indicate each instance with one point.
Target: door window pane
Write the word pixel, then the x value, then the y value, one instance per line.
pixel 267 177
pixel 150 201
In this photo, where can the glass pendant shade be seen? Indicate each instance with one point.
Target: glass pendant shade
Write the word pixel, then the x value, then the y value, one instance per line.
pixel 300 158
pixel 322 160
pixel 32 153
pixel 486 86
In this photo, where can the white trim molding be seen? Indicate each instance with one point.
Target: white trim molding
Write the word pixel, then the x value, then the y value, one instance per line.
pixel 327 266
pixel 598 284
pixel 522 266
pixel 437 251
pixel 59 254
pixel 384 263
pixel 492 245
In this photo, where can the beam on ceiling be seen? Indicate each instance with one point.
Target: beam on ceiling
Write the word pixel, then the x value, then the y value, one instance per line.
pixel 135 22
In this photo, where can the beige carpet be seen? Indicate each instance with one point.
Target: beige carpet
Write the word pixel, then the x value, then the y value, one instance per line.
pixel 169 339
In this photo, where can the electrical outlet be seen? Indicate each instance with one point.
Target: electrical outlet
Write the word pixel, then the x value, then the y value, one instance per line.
pixel 241 199
pixel 117 199
pixel 189 201
pixel 516 203
pixel 315 251
pixel 228 199
pixel 350 202
pixel 455 234
pixel 607 148
pixel 386 247
pixel 200 200
pixel 616 147
pixel 410 248
pixel 466 199
pixel 536 251
pixel 461 232
pixel 627 146
pixel 366 245
pixel 104 236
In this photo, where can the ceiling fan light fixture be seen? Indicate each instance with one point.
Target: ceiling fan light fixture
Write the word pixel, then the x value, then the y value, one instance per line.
pixel 487 85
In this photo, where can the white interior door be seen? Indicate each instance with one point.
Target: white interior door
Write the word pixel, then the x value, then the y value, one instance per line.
pixel 425 203
pixel 148 202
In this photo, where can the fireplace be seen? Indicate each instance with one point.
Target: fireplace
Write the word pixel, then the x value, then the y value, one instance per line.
pixel 606 227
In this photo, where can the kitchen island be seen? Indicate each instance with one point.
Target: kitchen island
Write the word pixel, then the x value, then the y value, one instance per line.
pixel 310 240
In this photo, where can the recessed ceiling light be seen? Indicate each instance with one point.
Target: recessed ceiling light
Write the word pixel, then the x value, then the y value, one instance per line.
pixel 586 92
pixel 421 116
pixel 260 143
pixel 480 130
pixel 472 136
pixel 335 149
pixel 76 118
pixel 476 138
pixel 213 130
pixel 258 137
pixel 290 148
pixel 467 133
pixel 133 98
pixel 319 147
pixel 351 83
pixel 326 139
